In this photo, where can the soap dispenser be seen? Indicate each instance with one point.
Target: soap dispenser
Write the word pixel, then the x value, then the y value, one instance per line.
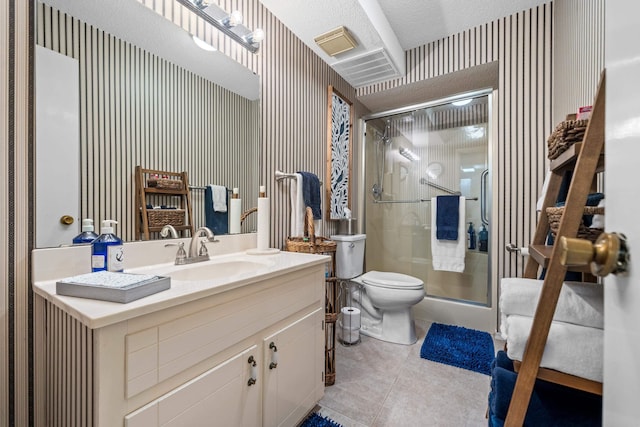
pixel 483 239
pixel 471 237
pixel 87 235
pixel 107 251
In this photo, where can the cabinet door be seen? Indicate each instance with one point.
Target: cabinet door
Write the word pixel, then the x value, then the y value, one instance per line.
pixel 222 396
pixel 293 370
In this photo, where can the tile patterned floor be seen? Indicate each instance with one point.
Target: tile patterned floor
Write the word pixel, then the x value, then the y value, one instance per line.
pixel 379 384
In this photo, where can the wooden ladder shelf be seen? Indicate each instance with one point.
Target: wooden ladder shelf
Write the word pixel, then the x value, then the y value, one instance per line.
pixel 586 160
pixel 176 186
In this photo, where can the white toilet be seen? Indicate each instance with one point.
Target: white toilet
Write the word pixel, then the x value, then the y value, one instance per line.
pixel 385 299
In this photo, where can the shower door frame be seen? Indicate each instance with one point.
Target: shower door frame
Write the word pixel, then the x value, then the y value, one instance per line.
pixel 440 309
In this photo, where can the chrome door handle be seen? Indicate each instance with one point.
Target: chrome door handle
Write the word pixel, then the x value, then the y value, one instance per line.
pixel 483 197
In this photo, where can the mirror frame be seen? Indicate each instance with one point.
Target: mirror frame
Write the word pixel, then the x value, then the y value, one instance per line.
pixel 339 146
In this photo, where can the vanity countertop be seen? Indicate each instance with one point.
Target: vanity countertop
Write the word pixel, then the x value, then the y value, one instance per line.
pixel 96 313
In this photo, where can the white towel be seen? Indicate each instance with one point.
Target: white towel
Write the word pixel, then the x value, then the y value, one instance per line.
pixel 448 255
pixel 297 206
pixel 573 349
pixel 543 193
pixel 579 303
pixel 219 196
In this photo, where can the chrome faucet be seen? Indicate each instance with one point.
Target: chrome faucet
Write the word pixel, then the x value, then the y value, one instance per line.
pixel 195 254
pixel 201 253
pixel 169 229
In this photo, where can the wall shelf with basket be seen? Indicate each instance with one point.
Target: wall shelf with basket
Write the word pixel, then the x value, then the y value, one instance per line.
pixel 312 244
pixel 162 188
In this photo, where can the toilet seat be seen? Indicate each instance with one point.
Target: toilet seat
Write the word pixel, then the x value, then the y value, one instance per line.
pixel 388 280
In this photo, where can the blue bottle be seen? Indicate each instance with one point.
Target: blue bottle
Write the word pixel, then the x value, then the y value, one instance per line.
pixel 88 235
pixel 483 239
pixel 471 237
pixel 107 251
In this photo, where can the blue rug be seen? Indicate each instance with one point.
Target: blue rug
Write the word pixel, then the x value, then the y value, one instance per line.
pixel 317 420
pixel 460 347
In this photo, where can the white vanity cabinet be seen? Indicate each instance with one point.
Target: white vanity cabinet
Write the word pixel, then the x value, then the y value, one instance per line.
pixel 207 361
pixel 291 368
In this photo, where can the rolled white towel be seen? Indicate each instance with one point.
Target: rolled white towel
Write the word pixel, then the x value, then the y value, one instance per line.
pixel 598 220
pixel 579 303
pixel 572 349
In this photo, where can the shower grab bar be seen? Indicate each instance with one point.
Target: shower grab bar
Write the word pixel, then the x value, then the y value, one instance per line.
pixel 425 181
pixel 483 197
pixel 416 201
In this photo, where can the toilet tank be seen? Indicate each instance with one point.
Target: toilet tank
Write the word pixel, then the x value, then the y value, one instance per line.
pixel 349 255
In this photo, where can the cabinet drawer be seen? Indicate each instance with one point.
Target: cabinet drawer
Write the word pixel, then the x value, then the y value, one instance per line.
pixel 222 394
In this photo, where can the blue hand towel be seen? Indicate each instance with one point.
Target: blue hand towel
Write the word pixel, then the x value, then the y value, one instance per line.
pixel 311 193
pixel 218 222
pixel 447 217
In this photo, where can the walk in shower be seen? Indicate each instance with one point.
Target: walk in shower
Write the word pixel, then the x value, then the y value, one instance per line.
pixel 411 156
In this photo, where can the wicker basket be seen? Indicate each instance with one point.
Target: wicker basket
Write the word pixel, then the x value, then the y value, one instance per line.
pixel 564 136
pixel 310 244
pixel 162 217
pixel 165 184
pixel 584 232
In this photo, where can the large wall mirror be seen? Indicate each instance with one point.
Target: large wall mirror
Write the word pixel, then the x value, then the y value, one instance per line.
pixel 145 95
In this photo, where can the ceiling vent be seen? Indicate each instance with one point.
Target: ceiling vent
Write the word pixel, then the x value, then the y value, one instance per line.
pixel 336 41
pixel 371 67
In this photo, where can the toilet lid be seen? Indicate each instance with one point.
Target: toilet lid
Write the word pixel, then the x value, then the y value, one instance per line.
pixel 385 279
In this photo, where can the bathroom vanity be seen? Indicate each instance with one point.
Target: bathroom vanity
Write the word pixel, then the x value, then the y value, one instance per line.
pixel 235 341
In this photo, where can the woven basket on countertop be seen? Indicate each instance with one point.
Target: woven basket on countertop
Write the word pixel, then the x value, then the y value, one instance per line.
pixel 310 243
pixel 162 217
pixel 584 232
pixel 565 134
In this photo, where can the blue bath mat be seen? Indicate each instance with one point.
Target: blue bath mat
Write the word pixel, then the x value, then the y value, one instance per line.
pixel 460 347
pixel 317 420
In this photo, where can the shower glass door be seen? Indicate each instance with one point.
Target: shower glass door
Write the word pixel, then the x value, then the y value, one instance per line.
pixel 411 157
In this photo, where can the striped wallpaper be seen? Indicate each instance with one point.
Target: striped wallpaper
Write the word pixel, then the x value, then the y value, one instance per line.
pixel 522 43
pixel 293 113
pixel 578 55
pixel 139 109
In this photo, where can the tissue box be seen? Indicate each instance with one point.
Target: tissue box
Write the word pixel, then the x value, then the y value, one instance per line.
pixel 112 286
pixel 584 112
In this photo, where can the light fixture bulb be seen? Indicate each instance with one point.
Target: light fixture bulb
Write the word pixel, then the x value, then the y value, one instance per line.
pixel 234 19
pixel 203 44
pixel 461 102
pixel 257 36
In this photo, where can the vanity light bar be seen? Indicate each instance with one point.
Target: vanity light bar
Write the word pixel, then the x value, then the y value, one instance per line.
pixel 218 17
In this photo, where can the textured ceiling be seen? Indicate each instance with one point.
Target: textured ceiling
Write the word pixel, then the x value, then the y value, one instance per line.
pixel 410 23
pixel 417 22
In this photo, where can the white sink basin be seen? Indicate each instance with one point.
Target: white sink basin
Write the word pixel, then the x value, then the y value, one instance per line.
pixel 216 270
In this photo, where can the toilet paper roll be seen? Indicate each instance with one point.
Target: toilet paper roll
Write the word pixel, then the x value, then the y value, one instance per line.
pixel 350 317
pixel 524 251
pixel 350 335
pixel 235 206
pixel 263 223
